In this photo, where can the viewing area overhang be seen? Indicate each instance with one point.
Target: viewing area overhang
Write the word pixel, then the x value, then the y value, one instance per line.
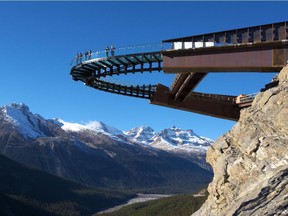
pixel 219 106
pixel 262 48
pixel 252 57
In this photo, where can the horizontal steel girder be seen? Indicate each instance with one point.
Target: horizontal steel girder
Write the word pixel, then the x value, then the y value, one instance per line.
pixel 194 104
pixel 267 32
pixel 262 57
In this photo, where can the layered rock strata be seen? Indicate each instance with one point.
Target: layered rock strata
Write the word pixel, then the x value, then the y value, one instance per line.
pixel 250 162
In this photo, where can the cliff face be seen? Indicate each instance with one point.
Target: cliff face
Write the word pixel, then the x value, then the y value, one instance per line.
pixel 250 162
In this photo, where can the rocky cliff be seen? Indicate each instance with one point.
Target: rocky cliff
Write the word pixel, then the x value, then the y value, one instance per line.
pixel 250 162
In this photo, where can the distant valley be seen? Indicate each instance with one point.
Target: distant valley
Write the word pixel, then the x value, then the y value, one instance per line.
pixel 138 161
pixel 28 191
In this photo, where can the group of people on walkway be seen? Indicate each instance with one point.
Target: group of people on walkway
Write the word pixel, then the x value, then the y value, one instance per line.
pixel 112 50
pixel 87 56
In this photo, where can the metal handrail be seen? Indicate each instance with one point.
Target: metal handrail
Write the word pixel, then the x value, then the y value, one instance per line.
pixel 124 50
pixel 228 98
pixel 248 98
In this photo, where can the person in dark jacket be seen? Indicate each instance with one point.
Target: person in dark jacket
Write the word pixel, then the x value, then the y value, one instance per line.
pixel 107 51
pixel 112 50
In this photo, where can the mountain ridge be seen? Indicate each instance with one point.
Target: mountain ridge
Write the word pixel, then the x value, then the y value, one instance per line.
pixel 95 154
pixel 29 124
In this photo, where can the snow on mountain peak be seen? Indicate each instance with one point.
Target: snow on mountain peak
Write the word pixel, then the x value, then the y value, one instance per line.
pixel 169 139
pixel 18 114
pixel 96 126
pixel 100 126
pixel 141 134
pixel 20 106
pixel 68 126
pixel 178 139
pixel 33 125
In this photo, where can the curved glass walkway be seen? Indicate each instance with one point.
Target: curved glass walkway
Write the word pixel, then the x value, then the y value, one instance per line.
pixel 269 40
pixel 93 69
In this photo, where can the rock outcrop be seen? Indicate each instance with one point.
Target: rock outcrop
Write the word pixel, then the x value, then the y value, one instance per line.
pixel 250 162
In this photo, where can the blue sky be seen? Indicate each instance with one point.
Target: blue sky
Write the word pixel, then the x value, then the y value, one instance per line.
pixel 39 39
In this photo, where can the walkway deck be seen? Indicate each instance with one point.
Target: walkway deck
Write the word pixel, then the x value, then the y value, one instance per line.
pixel 261 48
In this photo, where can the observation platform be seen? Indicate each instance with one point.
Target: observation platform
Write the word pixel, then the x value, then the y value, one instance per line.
pixel 93 72
pixel 260 49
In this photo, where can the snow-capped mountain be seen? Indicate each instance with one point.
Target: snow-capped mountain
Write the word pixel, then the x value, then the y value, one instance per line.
pixel 170 139
pixel 173 139
pixel 97 154
pixel 96 126
pixel 184 143
pixel 20 117
pixel 28 124
pixel 33 125
pixel 143 135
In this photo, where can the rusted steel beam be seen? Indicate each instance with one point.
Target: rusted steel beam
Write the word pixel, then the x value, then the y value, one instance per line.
pixel 228 99
pixel 194 104
pixel 267 32
pixel 243 105
pixel 262 57
pixel 177 82
pixel 189 85
pixel 185 82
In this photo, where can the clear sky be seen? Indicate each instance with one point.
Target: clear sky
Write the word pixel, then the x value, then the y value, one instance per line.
pixel 39 39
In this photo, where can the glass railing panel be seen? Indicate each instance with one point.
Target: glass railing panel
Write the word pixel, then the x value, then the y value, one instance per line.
pixel 118 51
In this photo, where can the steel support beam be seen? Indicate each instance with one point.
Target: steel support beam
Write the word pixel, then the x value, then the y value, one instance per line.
pixel 194 104
pixel 258 57
pixel 261 33
pixel 183 86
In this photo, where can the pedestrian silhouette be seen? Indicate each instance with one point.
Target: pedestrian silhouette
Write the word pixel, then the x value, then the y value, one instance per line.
pixel 77 58
pixel 112 50
pixel 107 51
pixel 86 55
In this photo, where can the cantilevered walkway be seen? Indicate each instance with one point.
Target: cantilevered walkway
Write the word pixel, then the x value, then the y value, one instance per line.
pixel 261 49
pixel 94 71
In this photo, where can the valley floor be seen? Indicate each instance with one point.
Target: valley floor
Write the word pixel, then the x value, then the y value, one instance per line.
pixel 140 198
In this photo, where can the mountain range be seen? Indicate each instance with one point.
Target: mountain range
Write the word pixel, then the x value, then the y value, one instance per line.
pixel 170 161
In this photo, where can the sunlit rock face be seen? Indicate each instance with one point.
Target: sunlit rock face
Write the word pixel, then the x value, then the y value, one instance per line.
pixel 250 162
